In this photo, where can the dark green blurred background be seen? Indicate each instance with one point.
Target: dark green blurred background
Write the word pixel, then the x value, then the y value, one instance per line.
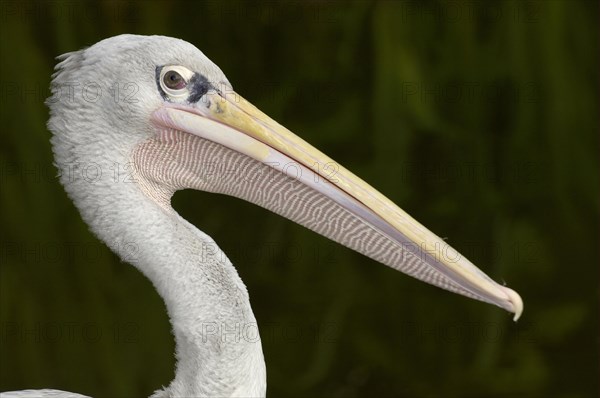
pixel 480 118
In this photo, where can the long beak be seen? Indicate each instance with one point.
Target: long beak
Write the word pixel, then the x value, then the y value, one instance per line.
pixel 235 123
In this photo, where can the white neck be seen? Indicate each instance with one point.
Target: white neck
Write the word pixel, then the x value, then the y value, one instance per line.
pixel 218 348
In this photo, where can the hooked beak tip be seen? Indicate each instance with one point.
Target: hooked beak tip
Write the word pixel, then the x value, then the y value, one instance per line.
pixel 516 302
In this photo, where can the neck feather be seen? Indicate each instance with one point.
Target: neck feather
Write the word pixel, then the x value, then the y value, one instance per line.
pixel 218 347
pixel 219 351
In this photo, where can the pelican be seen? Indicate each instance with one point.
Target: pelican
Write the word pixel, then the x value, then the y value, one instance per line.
pixel 157 109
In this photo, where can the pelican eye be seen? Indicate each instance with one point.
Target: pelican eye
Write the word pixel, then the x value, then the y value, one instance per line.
pixel 174 81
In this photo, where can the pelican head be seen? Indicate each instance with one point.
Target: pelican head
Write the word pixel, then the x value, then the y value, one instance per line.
pixel 136 118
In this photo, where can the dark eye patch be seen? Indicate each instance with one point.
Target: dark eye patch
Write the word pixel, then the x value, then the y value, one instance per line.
pixel 199 85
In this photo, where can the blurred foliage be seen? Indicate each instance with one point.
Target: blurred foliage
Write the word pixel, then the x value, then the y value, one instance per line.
pixel 480 118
